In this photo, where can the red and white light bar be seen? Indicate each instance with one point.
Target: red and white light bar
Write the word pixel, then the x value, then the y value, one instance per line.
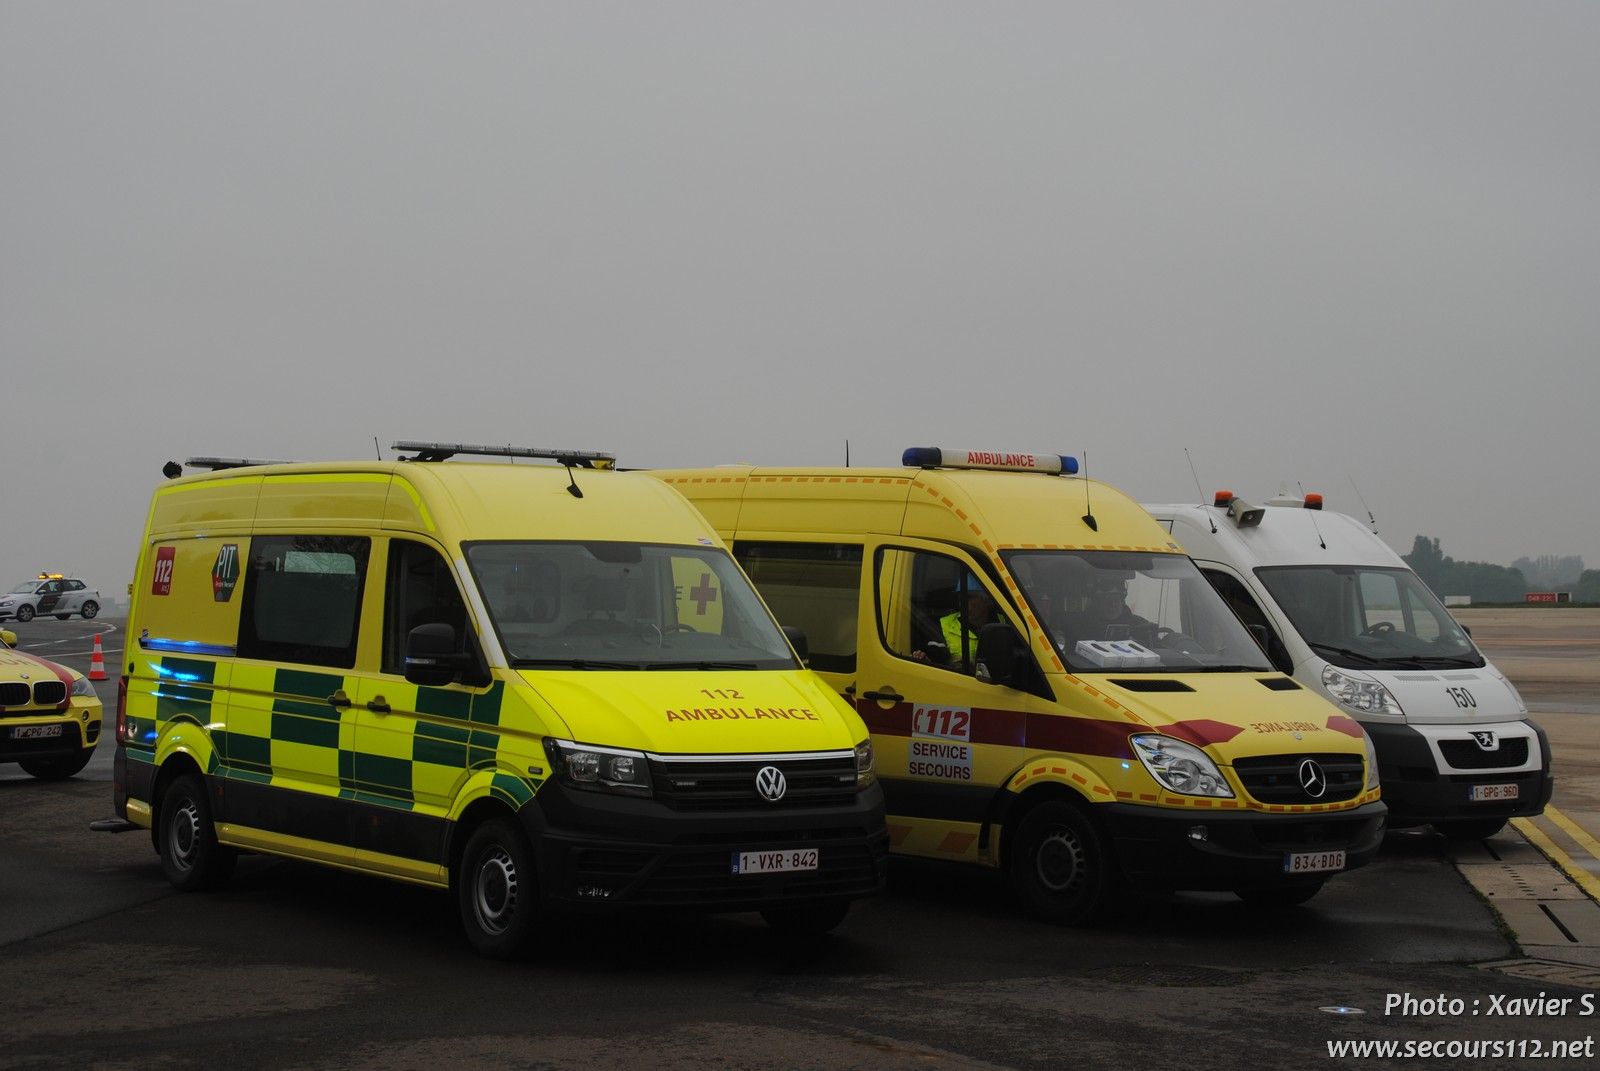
pixel 933 457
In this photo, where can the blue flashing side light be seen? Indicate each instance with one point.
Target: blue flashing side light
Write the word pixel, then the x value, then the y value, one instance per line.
pixel 1069 465
pixel 922 457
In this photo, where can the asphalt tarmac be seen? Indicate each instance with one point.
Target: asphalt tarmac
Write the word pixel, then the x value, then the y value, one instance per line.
pixel 102 964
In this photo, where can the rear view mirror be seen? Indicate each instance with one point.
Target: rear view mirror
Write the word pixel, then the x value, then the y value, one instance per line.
pixel 1001 658
pixel 432 656
pixel 797 640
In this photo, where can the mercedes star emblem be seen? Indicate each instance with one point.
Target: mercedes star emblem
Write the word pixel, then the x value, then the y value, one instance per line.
pixel 1312 779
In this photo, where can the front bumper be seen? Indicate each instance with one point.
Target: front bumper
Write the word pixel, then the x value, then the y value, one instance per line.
pixel 1240 849
pixel 1417 792
pixel 75 735
pixel 598 850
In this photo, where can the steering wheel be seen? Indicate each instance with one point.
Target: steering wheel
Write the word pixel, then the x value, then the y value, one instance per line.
pixel 1378 628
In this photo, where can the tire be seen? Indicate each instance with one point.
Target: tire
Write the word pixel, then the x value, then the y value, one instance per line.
pixel 811 919
pixel 1059 866
pixel 497 891
pixel 1470 828
pixel 89 609
pixel 57 769
pixel 1280 896
pixel 24 614
pixel 186 838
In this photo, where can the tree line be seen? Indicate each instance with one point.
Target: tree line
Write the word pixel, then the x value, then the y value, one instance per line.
pixel 1498 583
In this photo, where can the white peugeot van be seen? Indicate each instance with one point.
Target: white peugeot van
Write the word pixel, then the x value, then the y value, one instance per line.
pixel 1341 612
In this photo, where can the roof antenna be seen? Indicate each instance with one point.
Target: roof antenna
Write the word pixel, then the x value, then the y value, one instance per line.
pixel 1373 521
pixel 376 447
pixel 847 453
pixel 1323 543
pixel 1088 510
pixel 572 485
pixel 1200 492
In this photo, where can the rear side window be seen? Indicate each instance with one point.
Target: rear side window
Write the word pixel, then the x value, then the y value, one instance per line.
pixel 816 588
pixel 302 599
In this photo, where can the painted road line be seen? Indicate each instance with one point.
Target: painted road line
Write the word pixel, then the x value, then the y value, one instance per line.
pixel 1585 839
pixel 1585 880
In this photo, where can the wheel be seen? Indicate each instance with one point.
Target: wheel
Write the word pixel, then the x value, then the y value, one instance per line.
pixel 24 613
pixel 57 769
pixel 187 840
pixel 89 609
pixel 811 919
pixel 1059 865
pixel 1280 896
pixel 496 890
pixel 62 617
pixel 1470 828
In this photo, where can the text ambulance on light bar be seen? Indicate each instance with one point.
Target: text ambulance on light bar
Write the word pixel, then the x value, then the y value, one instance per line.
pixel 932 457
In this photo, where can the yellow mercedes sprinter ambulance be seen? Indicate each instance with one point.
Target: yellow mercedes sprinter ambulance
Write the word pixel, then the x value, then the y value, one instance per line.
pixel 1053 689
pixel 489 677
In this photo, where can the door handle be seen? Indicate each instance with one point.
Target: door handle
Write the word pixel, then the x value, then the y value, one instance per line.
pixel 886 694
pixel 338 700
pixel 378 705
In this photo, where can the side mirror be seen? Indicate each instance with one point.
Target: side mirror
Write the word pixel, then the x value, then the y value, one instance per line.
pixel 1001 658
pixel 1467 630
pixel 432 658
pixel 797 640
pixel 8 637
pixel 1273 648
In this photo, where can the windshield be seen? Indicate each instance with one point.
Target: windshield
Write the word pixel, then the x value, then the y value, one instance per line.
pixel 1110 610
pixel 625 606
pixel 25 589
pixel 1363 617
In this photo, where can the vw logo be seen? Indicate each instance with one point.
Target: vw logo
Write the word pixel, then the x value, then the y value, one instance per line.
pixel 1486 741
pixel 771 783
pixel 1312 779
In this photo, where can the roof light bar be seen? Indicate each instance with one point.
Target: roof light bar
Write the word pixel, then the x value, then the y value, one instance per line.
pixel 933 457
pixel 424 451
pixel 215 463
pixel 1313 501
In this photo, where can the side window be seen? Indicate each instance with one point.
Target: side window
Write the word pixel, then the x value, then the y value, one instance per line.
pixel 815 587
pixel 302 599
pixel 931 608
pixel 1242 603
pixel 419 589
pixel 74 585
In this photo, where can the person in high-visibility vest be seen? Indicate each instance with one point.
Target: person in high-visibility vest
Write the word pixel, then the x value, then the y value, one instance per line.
pixel 976 609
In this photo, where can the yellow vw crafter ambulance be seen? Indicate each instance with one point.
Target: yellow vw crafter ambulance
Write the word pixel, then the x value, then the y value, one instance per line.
pixel 1053 689
pixel 487 677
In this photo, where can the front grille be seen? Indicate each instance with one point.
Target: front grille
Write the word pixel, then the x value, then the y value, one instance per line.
pixel 1467 755
pixel 49 693
pixel 724 785
pixel 14 694
pixel 1276 778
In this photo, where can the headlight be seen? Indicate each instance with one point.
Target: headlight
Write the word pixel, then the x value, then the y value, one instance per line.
pixel 864 774
pixel 599 769
pixel 1180 767
pixel 82 687
pixel 1372 762
pixel 1360 694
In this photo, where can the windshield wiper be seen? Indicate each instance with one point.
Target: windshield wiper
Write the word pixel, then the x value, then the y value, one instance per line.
pixel 572 663
pixel 1427 661
pixel 701 665
pixel 1369 659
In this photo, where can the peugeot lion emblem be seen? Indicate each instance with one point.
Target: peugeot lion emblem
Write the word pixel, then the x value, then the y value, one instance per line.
pixel 1312 779
pixel 1486 741
pixel 771 783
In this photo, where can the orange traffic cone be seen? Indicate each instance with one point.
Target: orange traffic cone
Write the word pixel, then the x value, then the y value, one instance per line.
pixel 97 662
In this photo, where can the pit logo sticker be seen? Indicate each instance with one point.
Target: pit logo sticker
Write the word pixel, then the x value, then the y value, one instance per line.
pixel 225 572
pixel 941 743
pixel 161 582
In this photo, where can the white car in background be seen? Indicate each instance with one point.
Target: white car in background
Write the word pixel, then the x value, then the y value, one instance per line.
pixel 49 593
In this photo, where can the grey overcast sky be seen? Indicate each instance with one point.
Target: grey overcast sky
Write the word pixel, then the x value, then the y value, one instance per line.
pixel 1310 242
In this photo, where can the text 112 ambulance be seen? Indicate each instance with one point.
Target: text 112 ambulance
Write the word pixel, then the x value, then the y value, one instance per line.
pixel 1053 689
pixel 1338 609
